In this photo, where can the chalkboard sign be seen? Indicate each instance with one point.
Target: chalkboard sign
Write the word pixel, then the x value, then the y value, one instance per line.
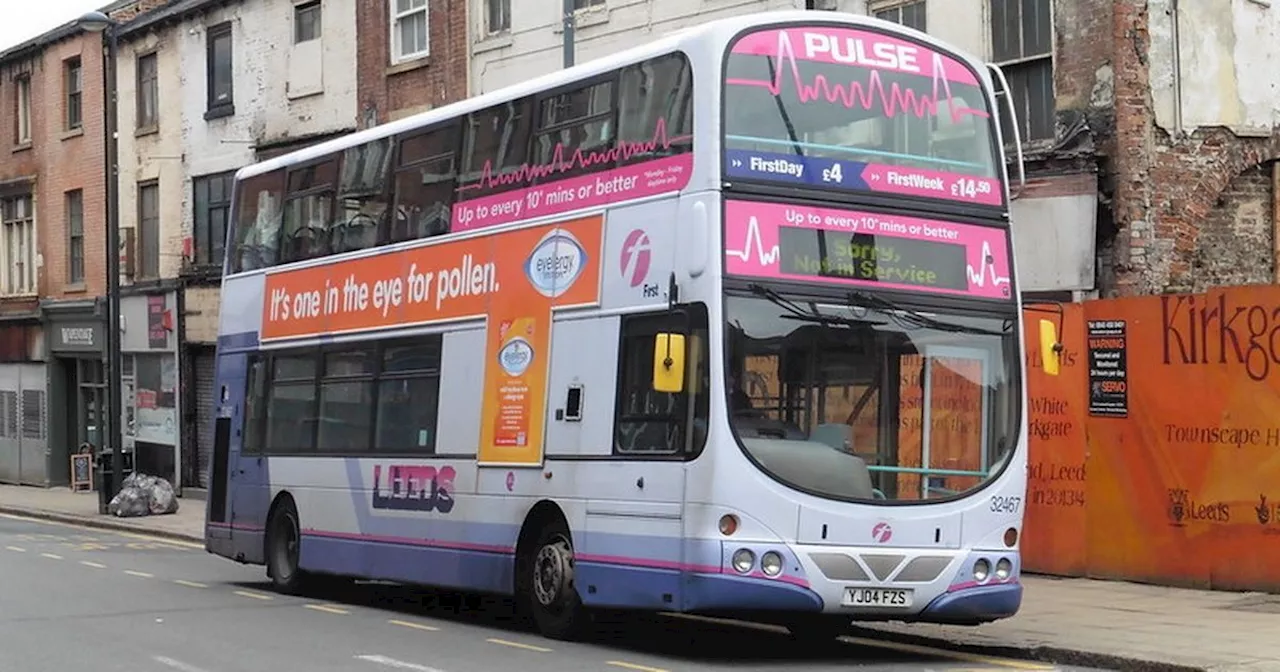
pixel 81 472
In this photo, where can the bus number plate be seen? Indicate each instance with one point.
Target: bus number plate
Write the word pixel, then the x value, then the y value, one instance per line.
pixel 877 597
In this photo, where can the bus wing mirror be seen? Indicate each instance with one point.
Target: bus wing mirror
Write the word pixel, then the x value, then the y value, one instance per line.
pixel 1049 347
pixel 668 363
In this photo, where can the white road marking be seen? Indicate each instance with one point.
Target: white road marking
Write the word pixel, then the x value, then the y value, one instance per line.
pixel 397 664
pixel 415 626
pixel 143 575
pixel 51 556
pixel 177 664
pixel 94 565
pixel 16 549
pixel 190 584
pixel 518 645
pixel 633 666
pixel 328 609
pixel 256 596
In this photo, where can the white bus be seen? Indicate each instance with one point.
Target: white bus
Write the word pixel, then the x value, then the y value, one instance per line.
pixel 725 324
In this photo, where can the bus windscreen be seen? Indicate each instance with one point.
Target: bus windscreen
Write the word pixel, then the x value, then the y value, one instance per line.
pixel 856 110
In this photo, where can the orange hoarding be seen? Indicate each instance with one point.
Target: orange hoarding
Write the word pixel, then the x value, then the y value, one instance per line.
pixel 1179 464
pixel 1053 540
pixel 515 279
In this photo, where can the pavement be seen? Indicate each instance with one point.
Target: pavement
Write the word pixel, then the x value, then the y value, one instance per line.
pixel 1063 622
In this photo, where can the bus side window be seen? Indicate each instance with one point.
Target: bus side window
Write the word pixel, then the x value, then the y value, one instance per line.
pixel 255 399
pixel 647 420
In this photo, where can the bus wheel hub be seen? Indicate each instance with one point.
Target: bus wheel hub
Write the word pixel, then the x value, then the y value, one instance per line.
pixel 553 572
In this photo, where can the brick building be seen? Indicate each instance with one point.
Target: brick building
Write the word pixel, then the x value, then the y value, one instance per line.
pixel 52 211
pixel 420 64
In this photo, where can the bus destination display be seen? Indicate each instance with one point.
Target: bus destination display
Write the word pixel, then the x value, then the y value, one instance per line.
pixel 854 247
pixel 871 258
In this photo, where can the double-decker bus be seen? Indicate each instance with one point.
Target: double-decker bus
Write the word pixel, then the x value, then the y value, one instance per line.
pixel 724 324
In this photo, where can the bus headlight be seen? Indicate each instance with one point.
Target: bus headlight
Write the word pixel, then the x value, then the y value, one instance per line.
pixel 771 563
pixel 743 560
pixel 1003 569
pixel 981 570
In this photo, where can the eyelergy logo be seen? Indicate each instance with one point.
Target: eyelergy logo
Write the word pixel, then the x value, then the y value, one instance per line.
pixel 555 263
pixel 516 356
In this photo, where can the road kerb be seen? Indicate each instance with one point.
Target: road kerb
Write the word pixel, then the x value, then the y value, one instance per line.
pixel 100 522
pixel 1041 653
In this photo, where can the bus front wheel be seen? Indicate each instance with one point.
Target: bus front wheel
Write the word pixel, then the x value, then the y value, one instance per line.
pixel 548 584
pixel 284 541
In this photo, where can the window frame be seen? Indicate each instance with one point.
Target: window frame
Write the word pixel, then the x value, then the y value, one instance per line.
pixel 73 212
pixel 27 222
pixel 145 230
pixel 73 98
pixel 22 109
pixel 147 87
pixel 317 26
pixel 215 108
pixel 500 8
pixel 203 258
pixel 1016 66
pixel 585 5
pixel 897 8
pixel 689 319
pixel 398 55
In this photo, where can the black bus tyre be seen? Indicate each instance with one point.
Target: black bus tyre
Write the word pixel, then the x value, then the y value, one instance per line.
pixel 550 593
pixel 284 542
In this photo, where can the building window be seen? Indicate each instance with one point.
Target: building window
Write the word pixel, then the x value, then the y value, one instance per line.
pixel 149 229
pixel 74 209
pixel 148 92
pixel 409 30
pixel 73 81
pixel 22 110
pixel 1022 44
pixel 585 4
pixel 910 14
pixel 498 15
pixel 212 196
pixel 18 224
pixel 219 70
pixel 306 22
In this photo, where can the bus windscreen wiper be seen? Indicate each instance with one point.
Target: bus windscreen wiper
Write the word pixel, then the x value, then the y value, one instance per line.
pixel 910 317
pixel 796 312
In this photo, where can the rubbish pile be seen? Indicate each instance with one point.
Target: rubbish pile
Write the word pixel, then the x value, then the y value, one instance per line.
pixel 143 495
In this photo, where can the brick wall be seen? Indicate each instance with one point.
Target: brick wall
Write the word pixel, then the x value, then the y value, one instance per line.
pixel 389 91
pixel 72 160
pixel 1185 210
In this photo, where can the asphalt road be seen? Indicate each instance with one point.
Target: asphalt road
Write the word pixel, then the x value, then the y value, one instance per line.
pixel 81 599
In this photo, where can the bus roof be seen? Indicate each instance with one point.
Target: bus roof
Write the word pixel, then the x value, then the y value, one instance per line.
pixel 719 30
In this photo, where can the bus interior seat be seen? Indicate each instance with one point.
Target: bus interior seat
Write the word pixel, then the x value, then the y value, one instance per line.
pixel 816 465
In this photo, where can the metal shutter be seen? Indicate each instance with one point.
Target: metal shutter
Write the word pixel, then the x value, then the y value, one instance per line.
pixel 202 362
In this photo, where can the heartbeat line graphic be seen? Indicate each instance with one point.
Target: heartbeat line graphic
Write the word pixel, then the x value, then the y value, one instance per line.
pixel 753 234
pixel 858 95
pixel 979 277
pixel 622 150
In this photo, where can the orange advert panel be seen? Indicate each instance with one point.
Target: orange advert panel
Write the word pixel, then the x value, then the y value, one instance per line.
pixel 515 279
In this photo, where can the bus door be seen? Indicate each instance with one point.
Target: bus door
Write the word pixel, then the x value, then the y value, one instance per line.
pixel 954 424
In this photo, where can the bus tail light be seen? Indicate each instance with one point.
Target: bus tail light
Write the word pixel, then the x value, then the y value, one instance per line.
pixel 1011 537
pixel 728 524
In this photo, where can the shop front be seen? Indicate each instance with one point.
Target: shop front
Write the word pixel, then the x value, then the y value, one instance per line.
pixel 151 396
pixel 24 455
pixel 77 382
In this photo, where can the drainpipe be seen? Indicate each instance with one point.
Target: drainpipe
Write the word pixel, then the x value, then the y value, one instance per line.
pixel 1177 70
pixel 568 33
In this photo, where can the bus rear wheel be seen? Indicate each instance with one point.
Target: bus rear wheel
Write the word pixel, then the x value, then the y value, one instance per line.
pixel 284 542
pixel 548 584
